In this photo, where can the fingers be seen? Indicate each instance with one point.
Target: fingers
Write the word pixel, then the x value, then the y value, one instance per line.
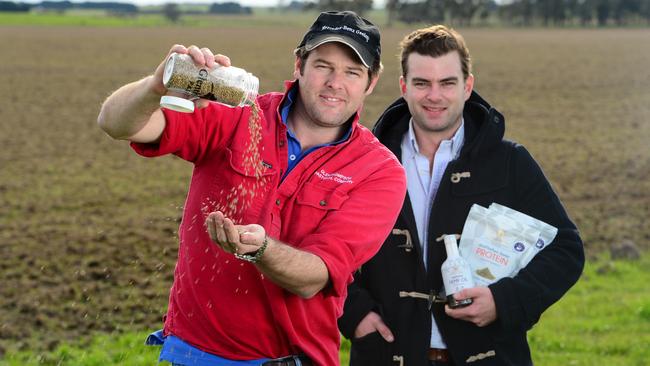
pixel 385 332
pixel 468 293
pixel 177 48
pixel 222 60
pixel 373 322
pixel 481 312
pixel 222 239
pixel 232 238
pixel 466 313
pixel 208 56
pixel 214 223
pixel 235 239
pixel 252 235
pixel 220 231
pixel 197 54
pixel 231 235
pixel 204 56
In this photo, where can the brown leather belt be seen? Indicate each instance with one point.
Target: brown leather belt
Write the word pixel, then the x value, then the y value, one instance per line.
pixel 438 355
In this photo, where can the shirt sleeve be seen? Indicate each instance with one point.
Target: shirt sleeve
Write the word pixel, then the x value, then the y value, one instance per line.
pixel 191 136
pixel 520 300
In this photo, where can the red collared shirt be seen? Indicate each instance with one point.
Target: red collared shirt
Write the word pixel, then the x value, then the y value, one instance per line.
pixel 339 203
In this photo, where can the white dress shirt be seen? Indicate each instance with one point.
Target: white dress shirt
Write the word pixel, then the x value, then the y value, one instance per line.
pixel 422 185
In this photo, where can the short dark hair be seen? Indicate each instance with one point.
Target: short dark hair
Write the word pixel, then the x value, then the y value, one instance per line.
pixel 435 41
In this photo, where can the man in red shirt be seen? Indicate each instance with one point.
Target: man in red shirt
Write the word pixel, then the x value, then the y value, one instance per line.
pixel 293 202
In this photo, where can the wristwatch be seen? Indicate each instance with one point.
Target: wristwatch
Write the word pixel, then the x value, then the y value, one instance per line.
pixel 254 257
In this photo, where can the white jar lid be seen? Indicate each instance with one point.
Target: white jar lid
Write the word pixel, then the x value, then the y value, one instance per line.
pixel 177 104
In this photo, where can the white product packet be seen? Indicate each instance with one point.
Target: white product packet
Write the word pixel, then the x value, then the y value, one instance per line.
pixel 546 232
pixel 495 245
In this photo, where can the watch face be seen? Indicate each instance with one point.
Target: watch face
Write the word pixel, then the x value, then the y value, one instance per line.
pixel 247 257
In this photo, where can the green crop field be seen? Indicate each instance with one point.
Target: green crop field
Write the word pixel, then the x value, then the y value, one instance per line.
pixel 88 229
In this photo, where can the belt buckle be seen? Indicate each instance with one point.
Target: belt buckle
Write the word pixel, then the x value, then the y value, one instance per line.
pixel 438 355
pixel 292 360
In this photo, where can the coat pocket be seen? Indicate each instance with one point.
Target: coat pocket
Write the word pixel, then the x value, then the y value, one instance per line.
pixel 371 350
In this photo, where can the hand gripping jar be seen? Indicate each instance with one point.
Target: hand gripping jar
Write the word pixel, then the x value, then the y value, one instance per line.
pixel 228 85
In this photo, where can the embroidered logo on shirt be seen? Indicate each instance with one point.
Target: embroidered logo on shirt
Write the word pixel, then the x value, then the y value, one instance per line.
pixel 339 178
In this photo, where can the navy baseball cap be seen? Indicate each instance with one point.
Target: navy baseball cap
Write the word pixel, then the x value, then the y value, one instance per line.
pixel 348 28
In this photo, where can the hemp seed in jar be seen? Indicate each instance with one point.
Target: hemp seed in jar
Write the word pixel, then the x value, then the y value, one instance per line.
pixel 228 85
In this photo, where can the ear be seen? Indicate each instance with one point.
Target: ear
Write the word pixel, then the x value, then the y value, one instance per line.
pixel 296 68
pixel 469 86
pixel 372 85
pixel 402 85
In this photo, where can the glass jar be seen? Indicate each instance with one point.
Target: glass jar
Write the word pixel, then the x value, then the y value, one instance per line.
pixel 231 85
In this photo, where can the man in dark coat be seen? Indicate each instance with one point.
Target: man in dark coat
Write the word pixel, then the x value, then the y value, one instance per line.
pixel 451 144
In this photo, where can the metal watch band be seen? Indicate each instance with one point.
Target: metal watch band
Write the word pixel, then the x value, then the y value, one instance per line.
pixel 255 256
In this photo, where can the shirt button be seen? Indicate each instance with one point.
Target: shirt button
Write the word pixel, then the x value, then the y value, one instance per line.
pixel 322 203
pixel 292 157
pixel 277 202
pixel 281 143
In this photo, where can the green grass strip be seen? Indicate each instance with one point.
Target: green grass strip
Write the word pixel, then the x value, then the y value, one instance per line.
pixel 604 319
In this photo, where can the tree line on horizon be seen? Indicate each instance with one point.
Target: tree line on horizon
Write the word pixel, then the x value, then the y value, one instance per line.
pixel 556 13
pixel 115 7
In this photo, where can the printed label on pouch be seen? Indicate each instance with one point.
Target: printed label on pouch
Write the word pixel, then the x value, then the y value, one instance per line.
pixel 495 245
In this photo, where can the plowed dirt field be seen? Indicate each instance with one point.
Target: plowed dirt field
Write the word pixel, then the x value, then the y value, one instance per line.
pixel 88 229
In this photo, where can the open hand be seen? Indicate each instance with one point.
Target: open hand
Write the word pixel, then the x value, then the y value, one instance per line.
pixel 240 239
